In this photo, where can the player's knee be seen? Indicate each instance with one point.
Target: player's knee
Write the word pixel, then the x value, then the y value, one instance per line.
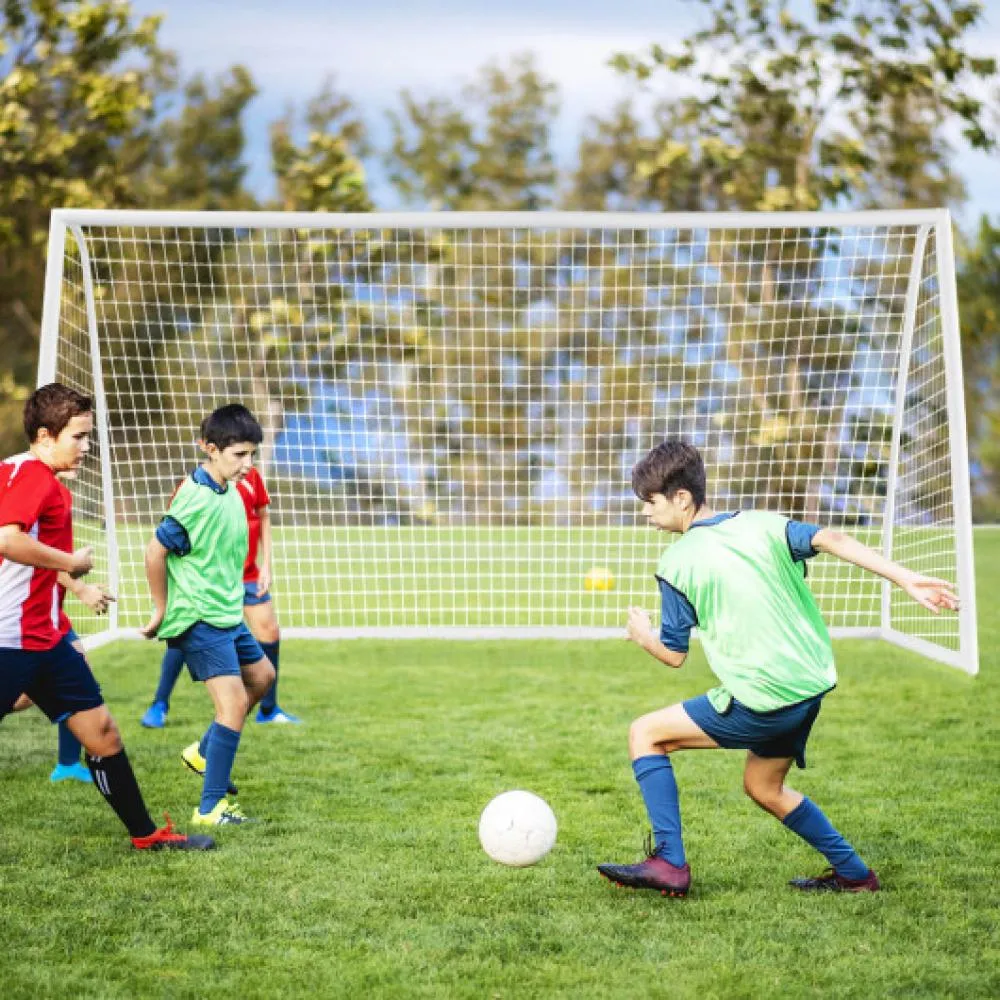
pixel 104 740
pixel 642 737
pixel 267 632
pixel 765 795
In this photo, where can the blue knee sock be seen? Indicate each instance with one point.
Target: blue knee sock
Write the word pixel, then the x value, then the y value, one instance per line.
pixel 655 775
pixel 170 668
pixel 809 822
pixel 222 749
pixel 270 700
pixel 69 746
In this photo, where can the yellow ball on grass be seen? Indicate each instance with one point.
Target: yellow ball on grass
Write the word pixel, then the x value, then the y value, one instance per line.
pixel 599 579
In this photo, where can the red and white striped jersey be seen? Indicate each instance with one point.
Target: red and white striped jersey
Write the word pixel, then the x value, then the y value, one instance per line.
pixel 31 598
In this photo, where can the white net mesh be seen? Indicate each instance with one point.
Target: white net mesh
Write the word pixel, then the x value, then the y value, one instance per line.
pixel 451 413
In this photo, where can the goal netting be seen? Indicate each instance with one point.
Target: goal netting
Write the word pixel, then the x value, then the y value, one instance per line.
pixel 452 403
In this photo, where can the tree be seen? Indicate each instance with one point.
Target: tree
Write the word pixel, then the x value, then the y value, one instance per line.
pixel 78 88
pixel 979 297
pixel 843 106
pixel 326 174
pixel 197 157
pixel 489 151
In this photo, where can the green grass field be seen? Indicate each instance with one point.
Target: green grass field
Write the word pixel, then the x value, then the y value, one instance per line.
pixel 366 878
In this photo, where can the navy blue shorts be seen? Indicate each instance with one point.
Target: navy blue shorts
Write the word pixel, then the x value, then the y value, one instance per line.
pixel 781 733
pixel 217 652
pixel 251 597
pixel 58 680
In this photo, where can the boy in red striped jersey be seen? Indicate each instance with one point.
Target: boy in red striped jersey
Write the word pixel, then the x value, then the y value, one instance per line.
pixel 37 658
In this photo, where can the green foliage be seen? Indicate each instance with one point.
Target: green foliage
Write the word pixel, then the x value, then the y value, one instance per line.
pixel 366 879
pixel 78 83
pixel 488 150
pixel 197 160
pixel 325 174
pixel 805 114
pixel 979 298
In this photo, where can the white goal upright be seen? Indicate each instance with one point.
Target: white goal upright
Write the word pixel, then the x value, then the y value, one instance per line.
pixel 452 403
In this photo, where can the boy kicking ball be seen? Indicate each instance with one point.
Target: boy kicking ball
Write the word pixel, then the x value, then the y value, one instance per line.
pixel 258 611
pixel 740 578
pixel 194 565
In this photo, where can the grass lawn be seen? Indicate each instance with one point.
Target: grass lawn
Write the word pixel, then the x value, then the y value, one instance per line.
pixel 365 878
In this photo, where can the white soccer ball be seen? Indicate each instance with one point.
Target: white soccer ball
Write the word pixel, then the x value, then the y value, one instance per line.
pixel 517 828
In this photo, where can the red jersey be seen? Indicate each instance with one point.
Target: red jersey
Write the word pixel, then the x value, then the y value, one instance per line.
pixel 255 496
pixel 30 598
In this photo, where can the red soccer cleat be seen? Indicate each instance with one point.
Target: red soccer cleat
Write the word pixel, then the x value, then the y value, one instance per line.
pixel 653 873
pixel 165 839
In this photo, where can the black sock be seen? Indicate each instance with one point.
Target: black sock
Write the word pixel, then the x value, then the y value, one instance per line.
pixel 115 780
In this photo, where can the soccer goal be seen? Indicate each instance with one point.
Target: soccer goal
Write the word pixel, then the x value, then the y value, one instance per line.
pixel 452 403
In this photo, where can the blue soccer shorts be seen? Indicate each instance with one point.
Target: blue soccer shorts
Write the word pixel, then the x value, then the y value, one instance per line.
pixel 781 733
pixel 250 596
pixel 58 680
pixel 217 652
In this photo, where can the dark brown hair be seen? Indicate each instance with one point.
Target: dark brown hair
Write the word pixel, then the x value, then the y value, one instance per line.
pixel 671 466
pixel 53 406
pixel 230 424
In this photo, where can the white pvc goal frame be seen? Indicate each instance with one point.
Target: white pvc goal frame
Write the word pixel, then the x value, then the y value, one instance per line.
pixel 79 342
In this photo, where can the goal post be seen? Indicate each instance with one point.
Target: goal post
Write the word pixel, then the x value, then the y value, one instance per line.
pixel 452 402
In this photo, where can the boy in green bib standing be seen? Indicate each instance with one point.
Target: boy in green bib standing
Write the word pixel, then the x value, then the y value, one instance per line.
pixel 740 578
pixel 194 565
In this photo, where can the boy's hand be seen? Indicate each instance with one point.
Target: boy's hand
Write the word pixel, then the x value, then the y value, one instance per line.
pixel 83 562
pixel 95 596
pixel 264 580
pixel 930 592
pixel 639 627
pixel 149 630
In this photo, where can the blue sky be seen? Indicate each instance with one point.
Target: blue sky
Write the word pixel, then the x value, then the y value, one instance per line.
pixel 376 49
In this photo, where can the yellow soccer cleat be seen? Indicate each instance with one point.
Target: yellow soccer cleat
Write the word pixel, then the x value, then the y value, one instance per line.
pixel 225 813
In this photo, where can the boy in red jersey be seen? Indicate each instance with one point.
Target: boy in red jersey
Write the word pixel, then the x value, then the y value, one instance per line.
pixel 37 658
pixel 258 611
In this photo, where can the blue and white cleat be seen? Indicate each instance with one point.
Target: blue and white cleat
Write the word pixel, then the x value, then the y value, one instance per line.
pixel 279 716
pixel 71 772
pixel 155 716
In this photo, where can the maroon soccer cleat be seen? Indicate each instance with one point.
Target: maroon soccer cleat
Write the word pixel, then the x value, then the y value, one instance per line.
pixel 830 881
pixel 165 839
pixel 653 873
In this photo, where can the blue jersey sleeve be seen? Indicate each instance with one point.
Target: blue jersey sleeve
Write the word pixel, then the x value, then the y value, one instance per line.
pixel 173 536
pixel 677 618
pixel 799 536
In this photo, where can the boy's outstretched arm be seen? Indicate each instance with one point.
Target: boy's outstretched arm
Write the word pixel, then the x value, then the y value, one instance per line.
pixel 929 591
pixel 156 576
pixel 640 631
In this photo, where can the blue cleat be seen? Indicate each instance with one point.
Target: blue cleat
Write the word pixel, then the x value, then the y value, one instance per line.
pixel 279 716
pixel 155 716
pixel 71 772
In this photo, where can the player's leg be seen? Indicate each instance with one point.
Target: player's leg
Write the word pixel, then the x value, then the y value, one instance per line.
pixel 155 717
pixel 68 764
pixel 219 668
pixel 65 688
pixel 652 738
pixel 260 616
pixel 764 782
